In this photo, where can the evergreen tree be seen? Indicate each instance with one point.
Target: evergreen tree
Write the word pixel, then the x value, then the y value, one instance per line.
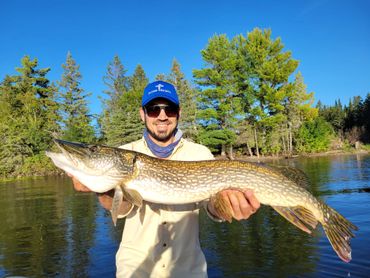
pixel 28 119
pixel 116 81
pixel 131 102
pixel 366 119
pixel 187 96
pixel 297 110
pixel 352 122
pixel 219 102
pixel 161 76
pixel 124 124
pixel 76 120
pixel 117 84
pixel 246 127
pixel 270 71
pixel 247 81
pixel 353 114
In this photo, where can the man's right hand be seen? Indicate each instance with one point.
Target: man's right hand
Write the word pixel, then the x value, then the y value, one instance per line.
pixel 78 186
pixel 105 199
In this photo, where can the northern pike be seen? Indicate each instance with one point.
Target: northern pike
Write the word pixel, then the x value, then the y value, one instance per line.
pixel 136 177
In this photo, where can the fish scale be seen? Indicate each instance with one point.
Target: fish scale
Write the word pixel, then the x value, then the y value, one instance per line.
pixel 137 177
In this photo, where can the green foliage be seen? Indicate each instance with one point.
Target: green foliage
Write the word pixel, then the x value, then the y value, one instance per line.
pixel 28 116
pixel 247 81
pixel 220 103
pixel 365 119
pixel 334 115
pixel 213 138
pixel 116 81
pixel 38 165
pixel 120 121
pixel 187 96
pixel 366 147
pixel 351 122
pixel 314 136
pixel 76 120
pixel 188 100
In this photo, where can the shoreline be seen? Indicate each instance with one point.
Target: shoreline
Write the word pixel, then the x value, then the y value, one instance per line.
pixel 281 157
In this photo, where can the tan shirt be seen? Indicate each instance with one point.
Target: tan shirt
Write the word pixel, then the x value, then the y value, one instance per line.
pixel 163 240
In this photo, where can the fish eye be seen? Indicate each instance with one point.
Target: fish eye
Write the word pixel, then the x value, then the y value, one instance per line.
pixel 94 148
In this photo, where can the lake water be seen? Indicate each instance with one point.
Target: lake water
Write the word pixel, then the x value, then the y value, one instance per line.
pixel 49 230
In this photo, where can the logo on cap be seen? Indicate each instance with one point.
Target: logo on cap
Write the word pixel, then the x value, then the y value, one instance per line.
pixel 159 87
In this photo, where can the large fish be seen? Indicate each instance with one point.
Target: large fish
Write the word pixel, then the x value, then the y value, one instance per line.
pixel 137 177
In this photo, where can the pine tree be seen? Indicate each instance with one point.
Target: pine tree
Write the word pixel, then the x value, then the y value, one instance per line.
pixel 124 124
pixel 117 84
pixel 116 81
pixel 270 71
pixel 161 76
pixel 297 110
pixel 219 102
pixel 76 120
pixel 366 119
pixel 28 119
pixel 187 97
pixel 131 102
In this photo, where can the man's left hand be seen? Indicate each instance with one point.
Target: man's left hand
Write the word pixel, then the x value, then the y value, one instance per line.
pixel 231 203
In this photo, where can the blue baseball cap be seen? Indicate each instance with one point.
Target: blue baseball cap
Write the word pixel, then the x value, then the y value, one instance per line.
pixel 160 89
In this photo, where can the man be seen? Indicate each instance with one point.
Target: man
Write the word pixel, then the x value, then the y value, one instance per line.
pixel 163 240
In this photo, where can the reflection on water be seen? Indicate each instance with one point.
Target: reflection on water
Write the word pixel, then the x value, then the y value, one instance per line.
pixel 50 230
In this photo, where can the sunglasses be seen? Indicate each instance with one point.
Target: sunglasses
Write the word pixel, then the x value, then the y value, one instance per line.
pixel 153 111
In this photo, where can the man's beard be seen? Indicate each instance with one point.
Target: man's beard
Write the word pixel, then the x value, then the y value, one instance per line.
pixel 161 137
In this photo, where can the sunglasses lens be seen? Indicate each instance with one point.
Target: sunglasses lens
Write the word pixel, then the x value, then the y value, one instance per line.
pixel 171 111
pixel 153 111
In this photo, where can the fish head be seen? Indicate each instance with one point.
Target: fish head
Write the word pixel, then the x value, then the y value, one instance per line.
pixel 96 159
pixel 96 166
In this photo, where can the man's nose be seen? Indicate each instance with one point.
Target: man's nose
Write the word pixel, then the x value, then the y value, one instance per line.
pixel 162 115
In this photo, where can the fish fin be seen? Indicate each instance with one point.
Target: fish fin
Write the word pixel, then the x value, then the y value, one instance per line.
pixel 294 174
pixel 223 207
pixel 339 232
pixel 116 203
pixel 133 197
pixel 298 216
pixel 155 208
pixel 142 213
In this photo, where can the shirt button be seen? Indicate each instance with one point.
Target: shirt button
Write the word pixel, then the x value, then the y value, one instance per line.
pixel 163 265
pixel 164 244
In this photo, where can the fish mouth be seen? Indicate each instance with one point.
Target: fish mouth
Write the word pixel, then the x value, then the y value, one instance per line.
pixel 80 155
pixel 75 152
pixel 72 148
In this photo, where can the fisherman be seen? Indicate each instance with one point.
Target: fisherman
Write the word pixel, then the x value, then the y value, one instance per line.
pixel 163 240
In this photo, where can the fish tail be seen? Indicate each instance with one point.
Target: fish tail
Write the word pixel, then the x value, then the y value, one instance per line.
pixel 339 232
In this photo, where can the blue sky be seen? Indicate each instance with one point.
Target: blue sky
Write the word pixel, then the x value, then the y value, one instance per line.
pixel 331 39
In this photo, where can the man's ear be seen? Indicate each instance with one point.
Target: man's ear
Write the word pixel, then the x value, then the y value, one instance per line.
pixel 142 114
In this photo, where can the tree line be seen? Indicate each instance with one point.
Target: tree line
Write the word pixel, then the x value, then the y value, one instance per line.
pixel 248 98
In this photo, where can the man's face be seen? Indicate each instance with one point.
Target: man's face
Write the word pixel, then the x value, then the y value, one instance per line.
pixel 160 117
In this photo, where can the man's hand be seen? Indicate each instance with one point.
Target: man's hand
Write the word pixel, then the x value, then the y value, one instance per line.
pixel 230 203
pixel 105 199
pixel 78 186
